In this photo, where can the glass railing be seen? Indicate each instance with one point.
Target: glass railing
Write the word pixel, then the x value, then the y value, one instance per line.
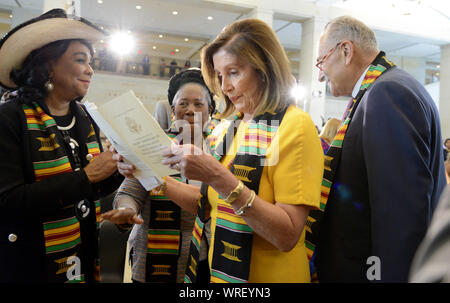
pixel 132 68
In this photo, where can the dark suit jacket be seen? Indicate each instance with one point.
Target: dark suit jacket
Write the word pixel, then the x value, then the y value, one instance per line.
pixel 24 202
pixel 387 185
pixel 431 262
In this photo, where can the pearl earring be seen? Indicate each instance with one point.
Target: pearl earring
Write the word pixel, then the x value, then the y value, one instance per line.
pixel 49 85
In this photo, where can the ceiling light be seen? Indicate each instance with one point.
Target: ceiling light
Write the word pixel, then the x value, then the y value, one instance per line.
pixel 177 50
pixel 138 7
pixel 438 66
pixel 122 43
pixel 210 18
pixel 174 13
pixel 160 36
pixel 99 1
pixel 154 47
pixel 298 92
pixel 186 39
pixel 10 16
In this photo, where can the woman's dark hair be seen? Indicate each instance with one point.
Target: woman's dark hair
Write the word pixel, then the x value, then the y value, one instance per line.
pixel 32 76
pixel 191 75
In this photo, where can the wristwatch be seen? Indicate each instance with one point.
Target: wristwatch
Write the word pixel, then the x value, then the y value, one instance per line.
pixel 235 193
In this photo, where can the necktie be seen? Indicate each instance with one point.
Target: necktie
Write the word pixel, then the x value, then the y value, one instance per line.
pixel 347 110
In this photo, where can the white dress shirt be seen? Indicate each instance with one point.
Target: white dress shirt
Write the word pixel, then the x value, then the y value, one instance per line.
pixel 358 83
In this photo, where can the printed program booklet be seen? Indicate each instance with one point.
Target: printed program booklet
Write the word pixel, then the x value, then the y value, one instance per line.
pixel 135 134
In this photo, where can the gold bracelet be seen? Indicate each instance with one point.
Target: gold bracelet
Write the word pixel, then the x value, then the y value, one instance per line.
pixel 235 193
pixel 162 189
pixel 248 204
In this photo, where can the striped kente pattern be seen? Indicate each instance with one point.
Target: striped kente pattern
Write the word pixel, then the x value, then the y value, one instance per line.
pixel 232 248
pixel 208 133
pixel 372 74
pixel 257 138
pixel 226 218
pixel 44 169
pixel 61 230
pixel 80 279
pixel 221 277
pixel 61 235
pixel 37 119
pixel 162 241
pixel 98 212
pixel 217 147
pixel 197 233
pixel 332 158
pixel 93 149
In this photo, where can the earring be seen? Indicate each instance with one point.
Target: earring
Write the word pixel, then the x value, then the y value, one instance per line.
pixel 263 78
pixel 49 85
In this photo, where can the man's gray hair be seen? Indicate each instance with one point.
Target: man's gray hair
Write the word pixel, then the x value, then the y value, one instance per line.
pixel 349 28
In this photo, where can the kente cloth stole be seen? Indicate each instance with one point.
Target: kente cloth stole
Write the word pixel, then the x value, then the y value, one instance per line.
pixel 233 237
pixel 332 159
pixel 164 236
pixel 209 136
pixel 62 228
pixel 164 232
pixel 163 239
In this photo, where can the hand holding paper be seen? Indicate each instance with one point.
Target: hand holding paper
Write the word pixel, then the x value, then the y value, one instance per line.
pixel 135 135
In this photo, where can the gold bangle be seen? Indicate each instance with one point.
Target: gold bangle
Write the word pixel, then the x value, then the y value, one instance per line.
pixel 235 193
pixel 248 204
pixel 162 189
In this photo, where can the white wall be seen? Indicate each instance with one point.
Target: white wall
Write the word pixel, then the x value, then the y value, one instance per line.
pixel 433 90
pixel 334 108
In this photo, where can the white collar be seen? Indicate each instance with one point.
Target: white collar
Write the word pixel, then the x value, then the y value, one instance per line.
pixel 358 84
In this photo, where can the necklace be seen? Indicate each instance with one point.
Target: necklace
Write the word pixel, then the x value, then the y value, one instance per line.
pixel 68 126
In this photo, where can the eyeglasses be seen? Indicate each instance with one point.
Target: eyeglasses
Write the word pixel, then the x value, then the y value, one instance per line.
pixel 321 60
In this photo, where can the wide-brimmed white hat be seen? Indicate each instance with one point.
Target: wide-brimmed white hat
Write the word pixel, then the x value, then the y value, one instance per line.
pixel 33 34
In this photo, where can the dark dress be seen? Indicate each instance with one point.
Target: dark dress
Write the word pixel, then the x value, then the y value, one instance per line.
pixel 27 206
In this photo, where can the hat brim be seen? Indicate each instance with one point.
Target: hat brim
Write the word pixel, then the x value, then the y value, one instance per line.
pixel 18 45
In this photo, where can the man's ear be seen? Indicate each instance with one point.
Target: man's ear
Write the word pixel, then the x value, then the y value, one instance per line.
pixel 349 49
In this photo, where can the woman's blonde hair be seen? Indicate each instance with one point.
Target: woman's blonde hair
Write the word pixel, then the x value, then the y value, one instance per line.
pixel 253 42
pixel 330 129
